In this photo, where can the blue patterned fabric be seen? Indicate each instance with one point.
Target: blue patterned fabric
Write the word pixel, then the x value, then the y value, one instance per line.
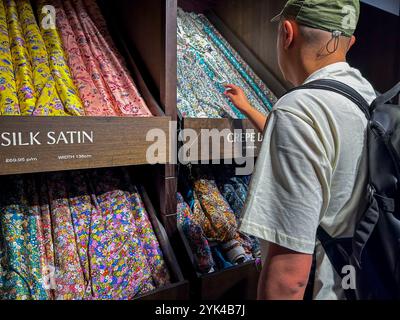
pixel 214 64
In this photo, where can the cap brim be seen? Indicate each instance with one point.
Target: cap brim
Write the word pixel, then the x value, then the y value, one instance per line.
pixel 277 18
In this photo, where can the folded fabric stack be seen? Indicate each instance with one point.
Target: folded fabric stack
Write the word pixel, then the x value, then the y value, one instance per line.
pixel 71 69
pixel 209 212
pixel 206 61
pixel 77 236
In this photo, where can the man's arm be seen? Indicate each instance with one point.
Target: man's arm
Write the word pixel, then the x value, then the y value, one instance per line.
pixel 239 99
pixel 285 274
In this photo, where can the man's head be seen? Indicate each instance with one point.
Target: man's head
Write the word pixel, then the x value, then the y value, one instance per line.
pixel 313 34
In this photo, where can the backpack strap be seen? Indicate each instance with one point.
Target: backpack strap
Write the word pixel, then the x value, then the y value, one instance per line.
pixel 340 88
pixel 386 97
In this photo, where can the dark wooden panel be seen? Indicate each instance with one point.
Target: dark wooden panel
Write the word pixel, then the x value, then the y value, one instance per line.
pixel 169 76
pixel 174 292
pixel 249 20
pixel 377 50
pixel 237 283
pixel 97 142
pixel 199 6
pixel 233 139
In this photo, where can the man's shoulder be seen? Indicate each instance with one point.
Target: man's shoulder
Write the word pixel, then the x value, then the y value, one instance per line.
pixel 312 101
pixel 304 102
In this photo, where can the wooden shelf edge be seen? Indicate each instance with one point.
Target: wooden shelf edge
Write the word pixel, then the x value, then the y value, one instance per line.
pixel 45 144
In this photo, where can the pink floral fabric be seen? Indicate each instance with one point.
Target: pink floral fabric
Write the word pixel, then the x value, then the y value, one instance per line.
pixel 91 86
pixel 70 284
pixel 101 60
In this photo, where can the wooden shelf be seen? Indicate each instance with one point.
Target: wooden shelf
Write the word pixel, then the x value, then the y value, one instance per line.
pixel 42 144
pixel 237 139
pixel 238 282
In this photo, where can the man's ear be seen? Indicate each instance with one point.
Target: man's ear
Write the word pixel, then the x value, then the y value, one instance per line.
pixel 352 42
pixel 288 33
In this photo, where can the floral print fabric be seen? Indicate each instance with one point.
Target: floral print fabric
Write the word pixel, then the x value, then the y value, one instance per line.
pixel 33 90
pixel 9 104
pixel 22 241
pixel 58 63
pixel 194 233
pixel 95 100
pixel 23 72
pixel 216 209
pixel 215 63
pixel 47 98
pixel 73 69
pixel 209 212
pixel 76 236
pixel 93 46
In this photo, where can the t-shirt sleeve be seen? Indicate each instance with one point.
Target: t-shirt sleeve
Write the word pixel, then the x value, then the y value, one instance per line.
pixel 290 188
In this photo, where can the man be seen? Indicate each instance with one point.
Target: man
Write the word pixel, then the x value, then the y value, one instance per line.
pixel 311 170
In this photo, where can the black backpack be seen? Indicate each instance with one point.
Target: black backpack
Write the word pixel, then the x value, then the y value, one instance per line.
pixel 373 252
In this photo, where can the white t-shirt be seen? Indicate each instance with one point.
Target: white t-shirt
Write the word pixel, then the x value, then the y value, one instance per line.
pixel 311 171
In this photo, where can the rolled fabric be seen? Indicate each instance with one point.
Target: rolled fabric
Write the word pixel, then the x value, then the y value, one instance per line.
pixel 89 59
pixel 65 85
pixel 195 235
pixel 20 56
pixel 234 252
pixel 94 11
pixel 38 258
pixel 69 278
pixel 22 241
pixel 246 180
pixel 222 262
pixel 121 86
pixel 216 209
pixel 146 234
pixel 2 266
pixel 229 193
pixel 9 104
pixel 199 216
pixel 242 189
pixel 45 215
pixel 186 109
pixel 48 102
pixel 82 211
pixel 190 75
pixel 259 87
pixel 196 81
pixel 235 190
pixel 119 265
pixel 219 70
pixel 85 73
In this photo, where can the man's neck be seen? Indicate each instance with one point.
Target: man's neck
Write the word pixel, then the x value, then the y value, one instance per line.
pixel 308 67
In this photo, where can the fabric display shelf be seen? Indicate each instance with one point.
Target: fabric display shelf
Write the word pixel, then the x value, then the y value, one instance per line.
pixel 210 56
pixel 95 87
pixel 71 93
pixel 83 235
pixel 222 262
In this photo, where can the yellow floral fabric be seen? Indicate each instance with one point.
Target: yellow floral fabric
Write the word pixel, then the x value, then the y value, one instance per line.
pixel 48 102
pixel 8 88
pixel 22 70
pixel 59 67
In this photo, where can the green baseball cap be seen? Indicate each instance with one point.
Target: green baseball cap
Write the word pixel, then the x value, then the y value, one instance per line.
pixel 330 15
